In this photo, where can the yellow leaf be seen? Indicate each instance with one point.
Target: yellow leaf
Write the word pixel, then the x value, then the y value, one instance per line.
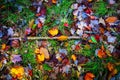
pixel 108 53
pixel 114 72
pixel 3 46
pixel 17 72
pixel 45 52
pixel 31 23
pixel 62 38
pixel 37 51
pixel 74 57
pixel 40 58
pixel 53 31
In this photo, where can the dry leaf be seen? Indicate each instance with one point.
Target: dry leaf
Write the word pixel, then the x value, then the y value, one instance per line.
pixel 111 19
pixel 110 66
pixel 31 23
pixel 45 52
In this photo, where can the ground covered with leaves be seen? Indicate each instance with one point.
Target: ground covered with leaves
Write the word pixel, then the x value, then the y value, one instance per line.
pixel 59 40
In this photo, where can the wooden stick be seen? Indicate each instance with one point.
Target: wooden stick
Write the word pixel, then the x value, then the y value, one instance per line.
pixel 42 38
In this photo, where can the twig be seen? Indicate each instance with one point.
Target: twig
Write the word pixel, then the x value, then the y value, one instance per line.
pixel 42 38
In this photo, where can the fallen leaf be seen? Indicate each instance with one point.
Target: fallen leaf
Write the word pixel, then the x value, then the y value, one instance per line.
pixel 101 53
pixel 45 52
pixel 3 46
pixel 111 19
pixel 31 23
pixel 37 51
pixel 53 31
pixel 110 66
pixel 39 25
pixel 73 57
pixel 47 67
pixel 40 57
pixel 54 1
pixel 62 38
pixel 89 76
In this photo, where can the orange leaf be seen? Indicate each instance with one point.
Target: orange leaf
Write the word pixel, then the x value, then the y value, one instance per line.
pixel 62 38
pixel 54 1
pixel 89 76
pixel 102 47
pixel 3 46
pixel 111 19
pixel 110 66
pixel 74 57
pixel 101 53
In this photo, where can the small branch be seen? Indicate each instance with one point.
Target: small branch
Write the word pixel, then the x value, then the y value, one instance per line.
pixel 44 38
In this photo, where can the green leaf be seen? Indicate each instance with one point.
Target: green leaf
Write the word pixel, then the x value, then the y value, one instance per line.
pixel 47 67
